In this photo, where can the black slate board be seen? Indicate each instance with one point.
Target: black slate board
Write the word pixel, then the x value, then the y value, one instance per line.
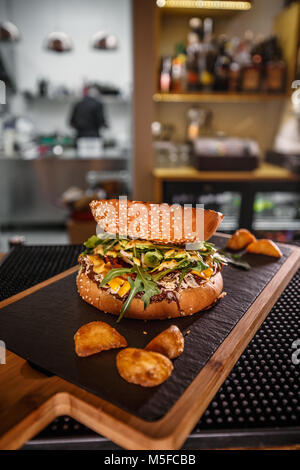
pixel 40 328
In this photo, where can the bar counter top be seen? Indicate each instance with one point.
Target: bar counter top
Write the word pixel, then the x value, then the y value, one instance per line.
pixel 265 171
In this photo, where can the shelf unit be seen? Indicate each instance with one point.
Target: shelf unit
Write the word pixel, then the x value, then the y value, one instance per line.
pixel 215 97
pixel 286 27
pixel 66 99
pixel 201 12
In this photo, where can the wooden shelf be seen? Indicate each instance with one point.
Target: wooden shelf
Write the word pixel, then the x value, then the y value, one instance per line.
pixel 216 97
pixel 199 12
pixel 265 172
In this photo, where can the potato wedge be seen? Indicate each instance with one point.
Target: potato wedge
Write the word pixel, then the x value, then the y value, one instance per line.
pixel 264 247
pixel 145 368
pixel 95 337
pixel 240 239
pixel 169 342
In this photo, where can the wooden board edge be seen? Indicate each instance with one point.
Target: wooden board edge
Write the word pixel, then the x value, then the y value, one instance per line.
pixel 40 417
pixel 36 287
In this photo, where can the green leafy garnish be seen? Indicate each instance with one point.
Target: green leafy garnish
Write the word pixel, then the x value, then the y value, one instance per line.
pixel 114 273
pixel 200 266
pixel 182 275
pixel 220 258
pixel 152 258
pixel 92 242
pixel 135 288
pixel 110 245
pixel 182 264
pixel 235 259
pixel 150 287
pixel 142 283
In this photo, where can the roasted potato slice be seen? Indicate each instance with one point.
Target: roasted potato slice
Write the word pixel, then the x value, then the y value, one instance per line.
pixel 145 368
pixel 95 337
pixel 264 247
pixel 240 239
pixel 169 342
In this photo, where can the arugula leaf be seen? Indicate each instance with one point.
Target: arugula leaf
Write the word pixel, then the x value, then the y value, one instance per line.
pixel 200 266
pixel 135 287
pixel 182 275
pixel 142 283
pixel 204 248
pixel 182 264
pixel 220 258
pixel 92 242
pixel 114 273
pixel 149 286
pixel 235 259
pixel 108 246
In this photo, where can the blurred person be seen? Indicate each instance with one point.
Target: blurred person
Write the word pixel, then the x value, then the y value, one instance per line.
pixel 87 115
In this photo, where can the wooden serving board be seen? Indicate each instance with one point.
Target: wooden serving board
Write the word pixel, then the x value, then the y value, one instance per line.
pixel 39 325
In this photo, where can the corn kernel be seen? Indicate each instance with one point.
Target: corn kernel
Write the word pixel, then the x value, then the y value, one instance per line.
pixel 116 283
pixel 99 269
pixel 124 289
pixel 95 260
pixel 169 253
pixel 99 250
pixel 111 253
pixel 206 274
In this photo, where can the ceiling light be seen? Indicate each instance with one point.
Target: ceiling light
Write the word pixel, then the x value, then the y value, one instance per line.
pixel 205 4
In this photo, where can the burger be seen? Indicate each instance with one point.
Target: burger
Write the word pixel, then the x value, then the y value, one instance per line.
pixel 151 261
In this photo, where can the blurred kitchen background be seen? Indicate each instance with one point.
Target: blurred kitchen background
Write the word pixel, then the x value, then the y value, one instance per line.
pixel 175 101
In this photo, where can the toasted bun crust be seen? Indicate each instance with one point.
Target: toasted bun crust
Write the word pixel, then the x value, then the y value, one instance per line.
pixel 191 300
pixel 159 223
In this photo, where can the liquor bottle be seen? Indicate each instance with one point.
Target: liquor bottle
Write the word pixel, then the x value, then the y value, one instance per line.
pixel 165 74
pixel 196 26
pixel 222 66
pixel 251 65
pixel 234 77
pixel 275 67
pixel 179 70
pixel 207 57
pixel 193 52
pixel 251 75
pixel 234 73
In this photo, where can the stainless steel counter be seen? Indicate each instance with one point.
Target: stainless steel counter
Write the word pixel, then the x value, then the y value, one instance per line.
pixel 30 190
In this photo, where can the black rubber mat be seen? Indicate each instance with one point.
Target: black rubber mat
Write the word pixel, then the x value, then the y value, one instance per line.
pixel 263 390
pixel 26 266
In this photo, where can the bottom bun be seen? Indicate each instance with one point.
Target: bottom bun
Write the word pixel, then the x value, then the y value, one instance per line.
pixel 190 300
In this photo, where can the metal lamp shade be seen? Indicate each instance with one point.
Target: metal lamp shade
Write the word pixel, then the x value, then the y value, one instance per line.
pixel 104 41
pixel 58 41
pixel 9 32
